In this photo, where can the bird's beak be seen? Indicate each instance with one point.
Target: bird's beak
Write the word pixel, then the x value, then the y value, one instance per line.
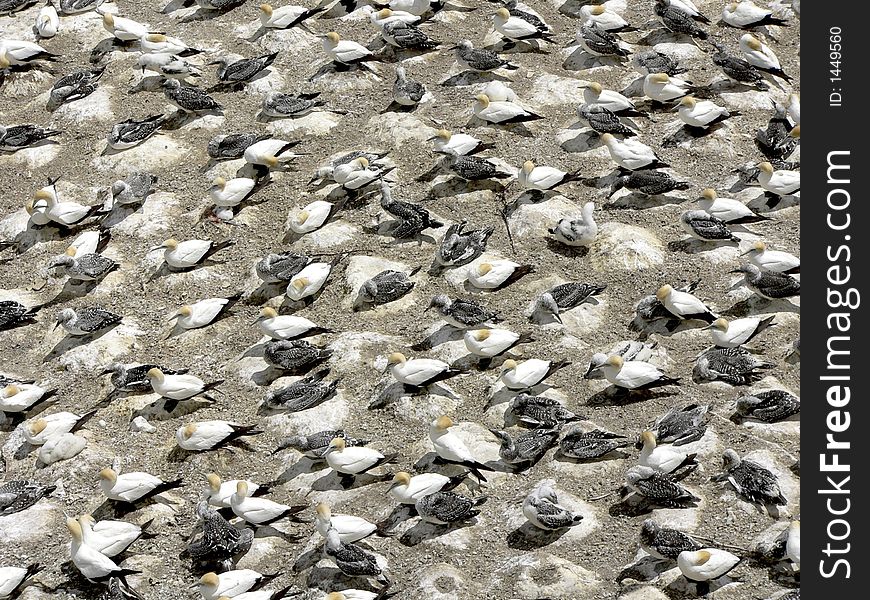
pixel 453 47
pixel 160 247
pixel 590 370
pixel 432 139
pixel 392 485
pixel 708 326
pixel 736 271
pixel 745 253
pixel 56 324
pixel 105 372
pixel 172 318
pixel 257 320
pixel 214 62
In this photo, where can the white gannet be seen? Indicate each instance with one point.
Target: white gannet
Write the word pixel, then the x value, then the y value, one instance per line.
pixel 407 489
pixel 39 430
pixel 308 281
pixel 418 372
pixel 133 486
pixel 595 95
pixel 230 192
pixel 529 373
pixel 634 374
pixel 794 108
pixel 47 21
pixel 125 30
pixel 746 15
pixel 631 154
pixel 311 217
pixel 178 386
pixel 189 253
pixel 21 52
pixel 91 563
pixel 345 52
pixel 168 65
pixel 449 447
pixel 772 260
pixel 63 213
pixel 20 397
pixel 12 579
pixel 701 113
pixel 284 17
pixel 496 274
pixel 230 583
pixel 516 29
pixel 729 334
pixel 627 349
pixel 793 543
pixel 501 112
pixel 492 342
pixel 108 537
pixel 349 528
pixel 270 152
pixel 541 507
pixel 497 91
pixel 286 327
pixel 758 54
pixel 580 231
pixel 203 312
pixel 661 87
pixel 217 492
pixel 357 173
pixel 258 511
pixel 605 18
pixel 533 177
pixel 353 460
pixel 665 459
pixel 157 43
pixel 706 564
pixel 727 209
pixel 779 182
pixel 89 242
pixel 209 435
pixel 684 305
pixel 456 144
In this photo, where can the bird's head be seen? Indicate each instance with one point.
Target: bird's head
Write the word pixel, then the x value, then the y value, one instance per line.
pixel 663 292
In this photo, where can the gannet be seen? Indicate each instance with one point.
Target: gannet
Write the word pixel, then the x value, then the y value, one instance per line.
pixel 541 507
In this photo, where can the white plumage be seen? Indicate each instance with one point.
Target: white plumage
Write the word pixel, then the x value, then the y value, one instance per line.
pixel 269 153
pixel 513 28
pixel 793 543
pixel 498 111
pixel 281 16
pixel 407 489
pixel 87 243
pixel 681 304
pixel 20 397
pixel 308 281
pixel 255 510
pixel 772 260
pixel 706 564
pixel 20 52
pixel 229 583
pixel 89 561
pixel 218 493
pixel 631 374
pixel 497 91
pixel 12 577
pixel 65 213
pixel 664 88
pixel 351 594
pixel 779 182
pixel 695 113
pixel 794 108
pixel 414 7
pixel 742 14
pixel 355 174
pixel 601 16
pixel 580 231
pixel 205 435
pixel 454 144
pixel 529 373
pixel 351 460
pixel 344 51
pixel 230 192
pixel 757 53
pixel 157 43
pixel 533 177
pixel 199 314
pixel 175 387
pixel 415 371
pixel 108 537
pixel 726 209
pixel 38 431
pixel 47 21
pixel 447 444
pixel 730 334
pixel 489 342
pixel 186 254
pixel 491 274
pixel 350 529
pixel 687 6
pixel 629 154
pixel 595 95
pixel 126 30
pixel 127 487
pixel 664 459
pixel 283 327
pixel 312 217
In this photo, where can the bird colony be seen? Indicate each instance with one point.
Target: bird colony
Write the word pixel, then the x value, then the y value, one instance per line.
pixel 413 299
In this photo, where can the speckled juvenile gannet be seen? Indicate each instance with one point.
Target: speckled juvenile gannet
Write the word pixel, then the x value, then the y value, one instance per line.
pixel 134 486
pixel 19 495
pixel 406 91
pixel 91 563
pixel 684 305
pixel 769 406
pixel 349 527
pixel 746 15
pixel 189 253
pixel 528 373
pixel 407 489
pixel 541 507
pixel 769 284
pixel 701 225
pixel 302 394
pixel 631 154
pixel 598 41
pixel 580 231
pixel 316 444
pixel 463 314
pixel 83 267
pixel 665 542
pixel 447 508
pixel 219 541
pixel 351 559
pixel 587 445
pixel 401 34
pixel 688 7
pixel 20 397
pixel 189 99
pixel 653 61
pixel 658 488
pixel 566 296
pixel 459 247
pixel 752 481
pixel 87 320
pixel 217 492
pixel 285 17
pixel 526 449
pixel 353 460
pixel 202 436
pixel 728 334
pixel 387 286
pixel 135 188
pixel 281 267
pixel 677 20
pixel 18 137
pixel 681 426
pixel 10 7
pixel 540 411
pixel 649 182
pixel 14 314
pixel 479 59
pixel 72 7
pixel 297 356
pixel 259 511
pixel 131 132
pixel 772 260
pixel 603 120
pixel 179 386
pixel 38 431
pixel 226 147
pixel 735 68
pixel 735 366
pixel 242 70
pixel 13 579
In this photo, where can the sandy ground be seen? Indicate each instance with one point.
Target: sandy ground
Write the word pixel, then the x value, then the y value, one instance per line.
pixel 493 558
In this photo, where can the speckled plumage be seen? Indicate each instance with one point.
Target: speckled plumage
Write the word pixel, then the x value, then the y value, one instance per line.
pixel 303 394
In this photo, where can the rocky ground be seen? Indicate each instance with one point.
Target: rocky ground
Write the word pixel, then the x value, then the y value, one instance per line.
pixel 637 250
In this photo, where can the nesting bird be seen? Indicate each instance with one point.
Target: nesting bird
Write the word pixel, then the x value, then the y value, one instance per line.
pixel 540 411
pixel 587 445
pixel 776 261
pixel 447 508
pixel 353 460
pixel 634 374
pixel 302 394
pixel 349 528
pixel 449 447
pixel 684 305
pixel 259 511
pixel 703 226
pixel 408 489
pixel 130 133
pixel 179 386
pixel 418 372
pixel 86 321
pixel 658 488
pixel 577 231
pixel 727 209
pixel 286 327
pixel 189 253
pixel 497 274
pixel 516 29
pixel 735 366
pixel 134 486
pixel 462 314
pixel 479 59
pixel 526 449
pixel 729 334
pixel 769 284
pixel 665 542
pixel 746 15
pixel 566 296
pixel 751 480
pixel 529 373
pixel 770 406
pixel 501 112
pixel 664 459
pixel 202 436
pixel 631 154
pixel 459 246
pixel 492 342
pixel 386 286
